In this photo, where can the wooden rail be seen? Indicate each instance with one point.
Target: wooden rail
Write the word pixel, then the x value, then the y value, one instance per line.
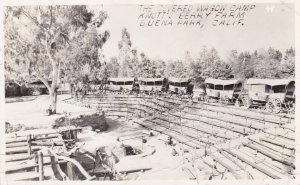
pixel 30 149
pixel 252 164
pixel 269 154
pixel 76 163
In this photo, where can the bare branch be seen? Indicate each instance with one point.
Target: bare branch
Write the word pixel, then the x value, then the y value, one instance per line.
pixel 42 78
pixel 34 20
pixel 51 17
pixel 20 84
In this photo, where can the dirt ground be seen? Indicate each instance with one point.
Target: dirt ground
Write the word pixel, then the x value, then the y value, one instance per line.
pixel 164 166
pixel 33 113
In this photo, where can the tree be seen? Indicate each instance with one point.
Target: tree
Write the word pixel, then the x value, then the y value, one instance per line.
pixel 287 65
pixel 209 64
pixel 133 64
pixel 39 41
pixel 85 57
pixel 145 67
pixel 124 52
pixel 160 68
pixel 177 69
pixel 113 67
pixel 242 64
pixel 267 63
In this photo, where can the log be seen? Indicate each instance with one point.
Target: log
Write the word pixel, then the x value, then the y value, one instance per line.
pixel 175 135
pixel 237 176
pixel 102 172
pixel 284 145
pixel 131 134
pixel 198 129
pixel 15 169
pixel 36 143
pixel 253 165
pixel 25 136
pixel 21 158
pixel 271 148
pixel 123 138
pixel 13 145
pixel 58 173
pixel 33 139
pixel 189 173
pixel 74 162
pixel 23 151
pixel 71 171
pixel 268 154
pixel 132 170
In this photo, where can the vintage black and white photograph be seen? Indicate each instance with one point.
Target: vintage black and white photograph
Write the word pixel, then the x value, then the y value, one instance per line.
pixel 134 92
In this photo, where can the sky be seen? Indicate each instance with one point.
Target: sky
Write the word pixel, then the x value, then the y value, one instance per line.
pixel 266 25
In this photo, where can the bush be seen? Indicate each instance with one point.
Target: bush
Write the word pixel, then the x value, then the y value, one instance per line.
pixel 95 121
pixel 13 128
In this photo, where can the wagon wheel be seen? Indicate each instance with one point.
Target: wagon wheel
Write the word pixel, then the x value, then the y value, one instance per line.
pixel 289 106
pixel 277 105
pixel 206 99
pixel 292 107
pixel 270 106
pixel 247 102
pixel 274 106
pixel 226 100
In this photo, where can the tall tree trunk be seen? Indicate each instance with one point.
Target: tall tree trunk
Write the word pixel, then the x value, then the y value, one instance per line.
pixel 54 83
pixel 54 87
pixel 53 99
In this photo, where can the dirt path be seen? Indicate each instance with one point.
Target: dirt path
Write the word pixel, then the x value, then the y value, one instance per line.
pixel 33 113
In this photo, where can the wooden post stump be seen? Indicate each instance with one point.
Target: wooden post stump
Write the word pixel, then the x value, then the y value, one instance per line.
pixel 29 145
pixel 41 166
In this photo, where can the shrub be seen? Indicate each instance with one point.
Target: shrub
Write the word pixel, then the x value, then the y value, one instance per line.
pixel 95 121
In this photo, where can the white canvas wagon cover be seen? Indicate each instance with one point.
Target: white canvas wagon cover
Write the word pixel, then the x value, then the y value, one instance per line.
pixel 271 82
pixel 121 79
pixel 179 80
pixel 221 82
pixel 151 79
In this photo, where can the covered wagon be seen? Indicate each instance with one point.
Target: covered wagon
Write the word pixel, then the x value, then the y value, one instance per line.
pixel 121 84
pixel 272 94
pixel 152 85
pixel 223 91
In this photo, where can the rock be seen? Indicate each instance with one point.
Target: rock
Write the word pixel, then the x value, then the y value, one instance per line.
pixel 174 153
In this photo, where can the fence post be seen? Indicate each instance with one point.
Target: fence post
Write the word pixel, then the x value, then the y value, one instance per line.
pixel 41 166
pixel 36 160
pixel 29 145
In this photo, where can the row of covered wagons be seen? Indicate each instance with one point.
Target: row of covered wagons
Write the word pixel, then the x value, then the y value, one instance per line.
pixel 274 94
pixel 148 85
